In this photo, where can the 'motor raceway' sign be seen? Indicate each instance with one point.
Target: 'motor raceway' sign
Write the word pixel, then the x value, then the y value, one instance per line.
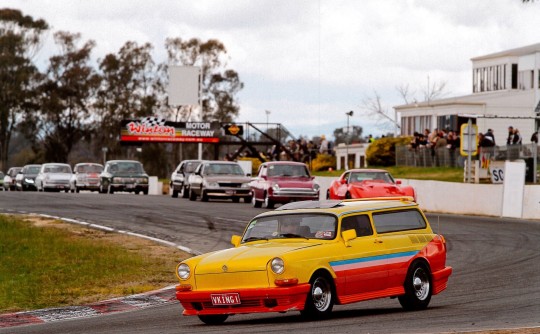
pixel 155 130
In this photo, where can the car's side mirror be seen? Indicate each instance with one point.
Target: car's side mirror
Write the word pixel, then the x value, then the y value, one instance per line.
pixel 348 235
pixel 343 181
pixel 248 174
pixel 235 240
pixel 398 181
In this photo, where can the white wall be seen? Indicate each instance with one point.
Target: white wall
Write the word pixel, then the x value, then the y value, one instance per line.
pixel 462 198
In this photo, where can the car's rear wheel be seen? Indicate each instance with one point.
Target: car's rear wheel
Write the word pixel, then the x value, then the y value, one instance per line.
pixel 254 202
pixel 204 196
pixel 213 319
pixel 110 190
pixel 348 195
pixel 418 288
pixel 320 298
pixel 185 192
pixel 328 194
pixel 174 193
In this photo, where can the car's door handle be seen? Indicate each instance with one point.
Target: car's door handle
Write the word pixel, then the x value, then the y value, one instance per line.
pixel 378 241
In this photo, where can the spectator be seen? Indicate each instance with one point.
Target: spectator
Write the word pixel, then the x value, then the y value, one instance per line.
pixel 510 138
pixel 534 138
pixel 516 139
pixel 489 139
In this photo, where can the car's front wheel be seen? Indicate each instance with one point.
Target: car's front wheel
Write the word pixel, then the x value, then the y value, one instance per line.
pixel 320 298
pixel 192 195
pixel 185 192
pixel 254 202
pixel 213 319
pixel 268 203
pixel 417 288
pixel 174 193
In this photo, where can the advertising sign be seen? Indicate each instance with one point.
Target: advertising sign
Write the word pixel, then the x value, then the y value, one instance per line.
pixel 156 130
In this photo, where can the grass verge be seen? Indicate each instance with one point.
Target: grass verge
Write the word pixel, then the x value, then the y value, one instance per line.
pixel 48 263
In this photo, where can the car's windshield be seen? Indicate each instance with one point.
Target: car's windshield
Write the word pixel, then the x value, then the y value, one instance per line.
pixel 89 169
pixel 287 170
pixel 223 169
pixel 33 170
pixel 371 176
pixel 57 169
pixel 305 225
pixel 191 166
pixel 126 167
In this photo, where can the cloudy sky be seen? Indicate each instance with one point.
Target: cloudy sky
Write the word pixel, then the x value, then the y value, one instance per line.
pixel 309 62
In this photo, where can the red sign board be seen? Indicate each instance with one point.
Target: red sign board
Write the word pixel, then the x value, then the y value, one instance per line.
pixel 155 130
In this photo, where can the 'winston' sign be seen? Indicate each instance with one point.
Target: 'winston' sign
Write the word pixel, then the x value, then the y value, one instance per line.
pixel 156 130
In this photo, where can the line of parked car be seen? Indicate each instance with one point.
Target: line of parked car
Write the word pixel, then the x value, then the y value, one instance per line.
pixel 276 182
pixel 116 175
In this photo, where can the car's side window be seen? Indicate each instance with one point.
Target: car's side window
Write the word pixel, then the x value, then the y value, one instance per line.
pixel 360 223
pixel 398 221
pixel 263 171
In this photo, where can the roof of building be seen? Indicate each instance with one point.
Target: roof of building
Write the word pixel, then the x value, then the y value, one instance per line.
pixel 517 52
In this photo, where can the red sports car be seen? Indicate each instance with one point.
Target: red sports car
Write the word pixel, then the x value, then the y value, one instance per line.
pixel 363 183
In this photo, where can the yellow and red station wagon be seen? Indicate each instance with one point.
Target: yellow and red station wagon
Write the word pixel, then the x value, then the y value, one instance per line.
pixel 309 256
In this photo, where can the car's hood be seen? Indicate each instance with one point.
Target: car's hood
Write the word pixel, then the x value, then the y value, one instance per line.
pixel 378 188
pixel 58 176
pixel 227 178
pixel 253 257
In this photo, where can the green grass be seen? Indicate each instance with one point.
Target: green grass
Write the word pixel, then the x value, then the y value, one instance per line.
pixel 419 173
pixel 47 266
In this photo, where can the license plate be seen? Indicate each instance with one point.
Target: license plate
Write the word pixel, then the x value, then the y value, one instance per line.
pixel 229 192
pixel 225 299
pixel 130 186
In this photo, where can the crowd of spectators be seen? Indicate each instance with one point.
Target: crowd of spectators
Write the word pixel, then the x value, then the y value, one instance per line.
pixel 437 141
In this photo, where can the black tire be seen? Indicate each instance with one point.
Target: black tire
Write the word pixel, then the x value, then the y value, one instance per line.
pixel 255 203
pixel 145 192
pixel 348 195
pixel 77 190
pixel 204 196
pixel 328 194
pixel 236 199
pixel 247 199
pixel 268 203
pixel 185 192
pixel 213 319
pixel 320 298
pixel 174 193
pixel 110 190
pixel 192 195
pixel 418 288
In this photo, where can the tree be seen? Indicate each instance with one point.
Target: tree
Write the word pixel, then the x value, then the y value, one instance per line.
pixel 130 88
pixel 69 86
pixel 20 38
pixel 355 136
pixel 219 86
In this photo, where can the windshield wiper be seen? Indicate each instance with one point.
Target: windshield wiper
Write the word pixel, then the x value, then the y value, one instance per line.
pixel 255 239
pixel 292 235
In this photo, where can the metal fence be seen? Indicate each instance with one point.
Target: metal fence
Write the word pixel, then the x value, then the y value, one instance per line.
pixel 444 157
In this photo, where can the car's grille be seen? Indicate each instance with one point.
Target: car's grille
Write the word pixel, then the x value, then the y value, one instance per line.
pixel 230 184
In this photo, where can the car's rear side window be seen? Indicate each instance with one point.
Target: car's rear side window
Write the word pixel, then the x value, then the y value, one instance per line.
pixel 359 223
pixel 398 221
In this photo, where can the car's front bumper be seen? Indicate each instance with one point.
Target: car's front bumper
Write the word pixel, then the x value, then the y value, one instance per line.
pixel 129 187
pixel 257 300
pixel 285 195
pixel 228 192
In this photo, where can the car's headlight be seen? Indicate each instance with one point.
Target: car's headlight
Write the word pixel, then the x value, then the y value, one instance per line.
pixel 316 186
pixel 183 271
pixel 211 184
pixel 28 180
pixel 142 180
pixel 245 185
pixel 277 265
pixel 275 187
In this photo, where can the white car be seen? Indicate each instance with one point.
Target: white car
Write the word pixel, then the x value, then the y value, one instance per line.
pixel 9 178
pixel 53 177
pixel 85 177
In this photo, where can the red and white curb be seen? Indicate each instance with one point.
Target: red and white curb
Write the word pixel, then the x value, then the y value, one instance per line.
pixel 140 301
pixel 122 304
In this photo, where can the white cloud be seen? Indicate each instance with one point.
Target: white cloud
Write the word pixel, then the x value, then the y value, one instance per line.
pixel 311 61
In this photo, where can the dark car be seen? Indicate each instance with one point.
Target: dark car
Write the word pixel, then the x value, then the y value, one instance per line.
pixel 219 179
pixel 26 179
pixel 283 182
pixel 123 175
pixel 179 179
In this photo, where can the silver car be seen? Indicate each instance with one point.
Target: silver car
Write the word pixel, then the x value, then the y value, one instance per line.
pixel 179 178
pixel 219 179
pixel 53 177
pixel 85 177
pixel 9 178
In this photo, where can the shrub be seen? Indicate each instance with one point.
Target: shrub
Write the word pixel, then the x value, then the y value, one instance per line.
pixel 323 162
pixel 382 152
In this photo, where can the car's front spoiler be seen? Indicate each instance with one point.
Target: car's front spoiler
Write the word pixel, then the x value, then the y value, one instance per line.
pixel 278 299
